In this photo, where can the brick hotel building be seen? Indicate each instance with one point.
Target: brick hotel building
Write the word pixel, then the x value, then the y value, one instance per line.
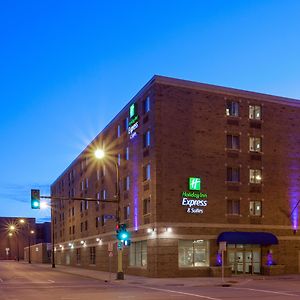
pixel 199 164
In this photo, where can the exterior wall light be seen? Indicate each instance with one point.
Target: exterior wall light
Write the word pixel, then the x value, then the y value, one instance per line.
pixel 169 229
pixel 81 242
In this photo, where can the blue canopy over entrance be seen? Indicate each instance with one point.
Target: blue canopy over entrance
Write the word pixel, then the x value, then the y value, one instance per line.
pixel 238 237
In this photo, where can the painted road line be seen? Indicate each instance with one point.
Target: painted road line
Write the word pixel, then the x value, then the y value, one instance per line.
pixel 181 293
pixel 266 291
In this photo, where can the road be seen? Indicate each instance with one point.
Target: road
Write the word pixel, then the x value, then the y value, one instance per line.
pixel 20 281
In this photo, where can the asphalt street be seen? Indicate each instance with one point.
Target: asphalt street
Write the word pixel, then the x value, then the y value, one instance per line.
pixel 20 281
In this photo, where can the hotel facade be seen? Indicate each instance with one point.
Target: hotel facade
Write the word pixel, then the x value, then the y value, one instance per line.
pixel 198 165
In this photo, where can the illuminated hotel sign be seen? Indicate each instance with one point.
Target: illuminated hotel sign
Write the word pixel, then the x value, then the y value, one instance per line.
pixel 133 121
pixel 194 200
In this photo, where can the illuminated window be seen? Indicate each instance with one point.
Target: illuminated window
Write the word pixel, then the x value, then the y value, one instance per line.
pixel 233 207
pixel 193 253
pixel 118 131
pixel 255 144
pixel 146 105
pixel 146 139
pixel 138 254
pixel 255 208
pixel 255 112
pixel 233 141
pixel 146 171
pixel 255 176
pixel 233 174
pixel 232 109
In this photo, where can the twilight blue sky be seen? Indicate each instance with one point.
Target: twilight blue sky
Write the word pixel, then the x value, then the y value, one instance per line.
pixel 67 67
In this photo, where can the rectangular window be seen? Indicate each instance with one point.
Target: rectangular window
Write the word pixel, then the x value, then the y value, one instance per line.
pixel 193 253
pixel 255 176
pixel 86 225
pixel 255 112
pixel 138 254
pixel 81 227
pixel 126 123
pixel 92 255
pixel 255 208
pixel 127 153
pixel 73 229
pixel 82 185
pixel 126 183
pixel 232 109
pixel 118 131
pixel 119 159
pixel 146 139
pixel 86 205
pixel 255 144
pixel 146 105
pixel 233 141
pixel 78 256
pixel 98 219
pixel 103 194
pixel 98 174
pixel 233 207
pixel 86 183
pixel 233 174
pixel 127 212
pixel 146 206
pixel 103 220
pixel 146 172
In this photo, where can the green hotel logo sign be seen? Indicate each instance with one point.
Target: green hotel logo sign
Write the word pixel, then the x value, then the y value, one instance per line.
pixel 194 200
pixel 133 121
pixel 194 184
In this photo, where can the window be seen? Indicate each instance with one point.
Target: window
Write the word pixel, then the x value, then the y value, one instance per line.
pixel 98 220
pixel 146 206
pixel 255 208
pixel 86 205
pixel 233 174
pixel 255 144
pixel 146 172
pixel 138 254
pixel 81 227
pixel 126 183
pixel 232 109
pixel 146 139
pixel 82 185
pixel 78 256
pixel 233 207
pixel 81 205
pixel 146 105
pixel 126 123
pixel 233 141
pixel 255 176
pixel 98 174
pixel 193 253
pixel 119 159
pixel 255 112
pixel 86 225
pixel 118 131
pixel 103 194
pixel 103 220
pixel 127 153
pixel 73 229
pixel 92 255
pixel 73 211
pixel 86 183
pixel 127 212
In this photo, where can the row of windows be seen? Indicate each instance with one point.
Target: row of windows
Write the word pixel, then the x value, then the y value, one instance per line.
pixel 233 175
pixel 233 142
pixel 233 110
pixel 233 207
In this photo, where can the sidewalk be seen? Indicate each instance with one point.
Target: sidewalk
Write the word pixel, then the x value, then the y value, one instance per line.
pixel 130 279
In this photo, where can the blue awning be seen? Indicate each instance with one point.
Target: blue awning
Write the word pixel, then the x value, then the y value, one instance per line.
pixel 238 237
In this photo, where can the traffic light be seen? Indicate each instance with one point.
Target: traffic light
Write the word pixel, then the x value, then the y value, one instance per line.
pixel 122 234
pixel 35 199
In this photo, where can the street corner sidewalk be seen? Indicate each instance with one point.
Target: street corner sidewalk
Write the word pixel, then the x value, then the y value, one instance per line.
pixel 141 280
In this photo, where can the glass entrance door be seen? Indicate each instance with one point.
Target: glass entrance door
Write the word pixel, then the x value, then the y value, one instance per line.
pixel 244 259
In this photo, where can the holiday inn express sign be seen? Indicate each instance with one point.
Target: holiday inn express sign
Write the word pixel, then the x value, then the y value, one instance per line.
pixel 194 200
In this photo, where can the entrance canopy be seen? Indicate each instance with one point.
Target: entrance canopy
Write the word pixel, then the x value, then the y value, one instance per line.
pixel 238 237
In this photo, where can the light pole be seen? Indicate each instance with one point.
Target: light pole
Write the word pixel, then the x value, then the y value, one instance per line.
pixel 13 231
pixel 29 233
pixel 100 154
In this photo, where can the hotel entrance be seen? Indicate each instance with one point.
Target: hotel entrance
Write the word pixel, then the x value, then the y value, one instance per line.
pixel 244 259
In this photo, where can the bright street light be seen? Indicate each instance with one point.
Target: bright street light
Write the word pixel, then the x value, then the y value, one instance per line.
pixel 22 221
pixel 12 227
pixel 99 153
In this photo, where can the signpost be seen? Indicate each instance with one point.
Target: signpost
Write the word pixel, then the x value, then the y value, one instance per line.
pixel 222 249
